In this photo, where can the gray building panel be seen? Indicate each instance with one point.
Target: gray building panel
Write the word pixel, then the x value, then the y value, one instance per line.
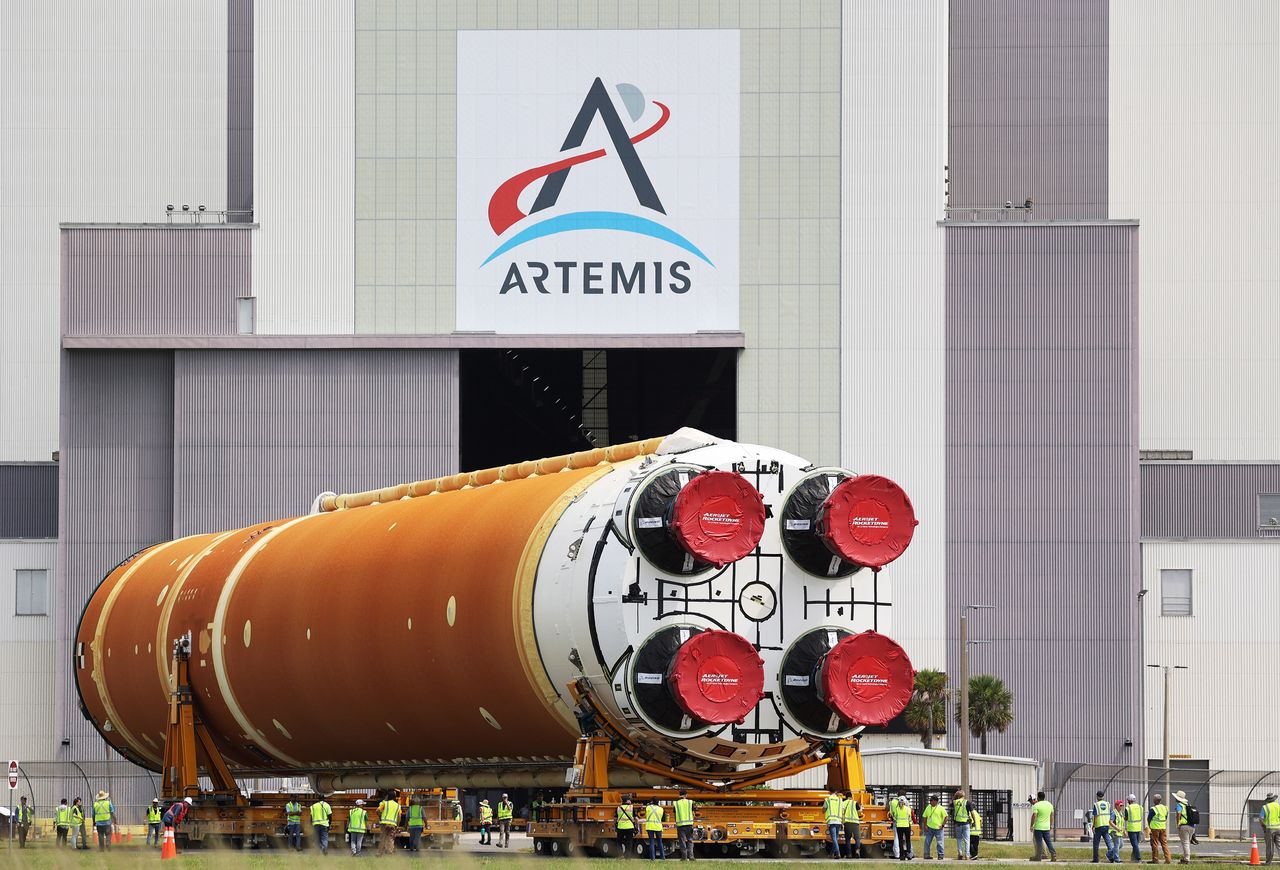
pixel 1205 500
pixel 1042 477
pixel 1027 106
pixel 29 500
pixel 116 488
pixel 258 434
pixel 157 280
pixel 240 15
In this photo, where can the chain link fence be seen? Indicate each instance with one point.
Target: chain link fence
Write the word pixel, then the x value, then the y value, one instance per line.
pixel 45 783
pixel 1228 800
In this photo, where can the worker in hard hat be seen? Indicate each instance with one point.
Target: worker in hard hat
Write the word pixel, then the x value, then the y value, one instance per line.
pixel 486 820
pixel 357 827
pixel 388 821
pixel 505 811
pixel 104 818
pixel 154 812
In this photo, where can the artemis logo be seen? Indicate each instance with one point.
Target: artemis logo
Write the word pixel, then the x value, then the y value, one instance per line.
pixel 596 194
pixel 593 277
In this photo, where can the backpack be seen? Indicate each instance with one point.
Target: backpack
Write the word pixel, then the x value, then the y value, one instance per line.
pixel 1192 814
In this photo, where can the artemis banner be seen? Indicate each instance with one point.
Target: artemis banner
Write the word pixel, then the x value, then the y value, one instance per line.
pixel 598 181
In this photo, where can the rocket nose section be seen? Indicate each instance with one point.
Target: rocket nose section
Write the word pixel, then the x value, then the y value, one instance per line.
pixel 717 677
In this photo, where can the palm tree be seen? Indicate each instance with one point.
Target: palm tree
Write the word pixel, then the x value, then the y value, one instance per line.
pixel 990 707
pixel 926 712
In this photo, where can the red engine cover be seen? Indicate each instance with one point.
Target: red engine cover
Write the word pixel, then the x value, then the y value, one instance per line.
pixel 717 677
pixel 718 517
pixel 867 678
pixel 868 520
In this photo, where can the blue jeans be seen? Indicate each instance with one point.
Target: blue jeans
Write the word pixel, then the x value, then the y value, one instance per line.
pixel 1044 839
pixel 322 838
pixel 937 835
pixel 962 839
pixel 415 838
pixel 834 830
pixel 1103 835
pixel 655 846
pixel 294 832
pixel 1135 842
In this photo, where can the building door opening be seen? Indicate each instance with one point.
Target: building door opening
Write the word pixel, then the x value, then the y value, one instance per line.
pixel 526 404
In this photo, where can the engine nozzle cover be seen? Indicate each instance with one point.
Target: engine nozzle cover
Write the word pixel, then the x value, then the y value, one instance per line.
pixel 867 678
pixel 717 677
pixel 718 517
pixel 867 520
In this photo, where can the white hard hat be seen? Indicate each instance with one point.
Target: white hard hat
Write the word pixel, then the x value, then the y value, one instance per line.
pixel 187 799
pixel 359 803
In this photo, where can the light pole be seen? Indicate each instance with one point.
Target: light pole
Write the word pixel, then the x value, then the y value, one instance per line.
pixel 964 691
pixel 1166 668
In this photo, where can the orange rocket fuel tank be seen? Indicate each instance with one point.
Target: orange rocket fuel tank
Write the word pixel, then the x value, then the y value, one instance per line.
pixel 441 621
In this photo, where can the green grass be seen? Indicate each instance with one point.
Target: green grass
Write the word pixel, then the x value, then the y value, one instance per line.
pixel 43 855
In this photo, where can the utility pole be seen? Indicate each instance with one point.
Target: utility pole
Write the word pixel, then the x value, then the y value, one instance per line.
pixel 1166 668
pixel 964 691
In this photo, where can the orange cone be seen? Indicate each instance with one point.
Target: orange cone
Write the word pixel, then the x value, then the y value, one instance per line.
pixel 1253 853
pixel 128 836
pixel 115 837
pixel 170 848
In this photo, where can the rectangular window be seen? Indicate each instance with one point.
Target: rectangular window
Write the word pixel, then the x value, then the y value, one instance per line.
pixel 1269 510
pixel 1175 592
pixel 33 592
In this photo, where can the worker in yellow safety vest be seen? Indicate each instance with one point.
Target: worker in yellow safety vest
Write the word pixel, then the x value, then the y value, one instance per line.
pixel 960 815
pixel 388 821
pixel 1100 816
pixel 357 827
pixel 154 814
pixel 851 814
pixel 416 821
pixel 1133 820
pixel 62 819
pixel 626 825
pixel 104 817
pixel 486 820
pixel 653 827
pixel 683 808
pixel 832 811
pixel 320 815
pixel 505 812
pixel 1269 816
pixel 79 832
pixel 975 832
pixel 293 824
pixel 1158 828
pixel 901 812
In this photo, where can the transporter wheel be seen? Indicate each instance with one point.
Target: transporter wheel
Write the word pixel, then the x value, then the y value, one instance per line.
pixel 640 848
pixel 540 846
pixel 607 849
pixel 779 849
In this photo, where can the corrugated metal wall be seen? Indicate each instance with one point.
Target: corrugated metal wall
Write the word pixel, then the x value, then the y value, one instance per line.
pixel 116 491
pixel 1042 478
pixel 162 280
pixel 1028 107
pixel 27 662
pixel 258 434
pixel 1204 500
pixel 892 381
pixel 29 500
pixel 240 16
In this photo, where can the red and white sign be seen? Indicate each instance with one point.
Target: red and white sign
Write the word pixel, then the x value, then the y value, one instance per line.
pixel 13 774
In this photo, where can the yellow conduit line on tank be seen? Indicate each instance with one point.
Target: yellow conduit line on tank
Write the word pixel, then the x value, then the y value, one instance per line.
pixel 484 477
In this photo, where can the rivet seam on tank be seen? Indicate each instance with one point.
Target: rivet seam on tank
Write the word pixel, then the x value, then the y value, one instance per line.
pixel 96 673
pixel 219 629
pixel 163 640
